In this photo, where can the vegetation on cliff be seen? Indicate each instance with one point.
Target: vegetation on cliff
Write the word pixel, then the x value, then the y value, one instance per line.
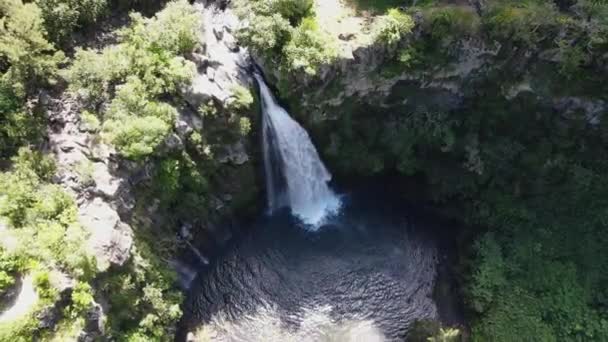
pixel 41 232
pixel 515 147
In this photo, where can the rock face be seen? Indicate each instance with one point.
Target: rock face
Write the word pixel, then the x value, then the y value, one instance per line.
pixel 91 177
pixel 111 239
pixel 222 64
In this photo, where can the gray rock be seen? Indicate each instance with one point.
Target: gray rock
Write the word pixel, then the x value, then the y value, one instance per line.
pixel 218 32
pixel 93 328
pixel 105 184
pixel 231 43
pixel 192 119
pixel 182 127
pixel 49 317
pixel 173 142
pixel 591 109
pixel 110 240
pixel 201 61
pixel 346 36
pixel 199 92
pixel 234 154
pixel 211 74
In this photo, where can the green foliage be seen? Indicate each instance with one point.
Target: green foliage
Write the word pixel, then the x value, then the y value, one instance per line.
pixel 85 170
pixel 138 137
pixel 82 297
pixel 28 59
pixel 62 17
pixel 374 6
pixel 89 121
pixel 527 22
pixel 180 178
pixel 244 126
pixel 174 30
pixel 285 31
pixel 572 58
pixel 308 49
pixel 266 34
pixel 143 303
pixel 394 27
pixel 488 274
pixel 291 10
pixel 42 216
pixel 208 109
pixel 241 99
pixel 446 335
pixel 451 22
pixel 9 266
pixel 144 67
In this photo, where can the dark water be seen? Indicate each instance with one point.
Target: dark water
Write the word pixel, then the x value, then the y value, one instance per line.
pixel 364 276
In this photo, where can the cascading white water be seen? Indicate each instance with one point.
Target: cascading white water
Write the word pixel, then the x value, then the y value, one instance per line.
pixel 295 175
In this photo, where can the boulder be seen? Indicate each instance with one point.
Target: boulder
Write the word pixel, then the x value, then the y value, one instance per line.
pixel 93 327
pixel 234 154
pixel 105 184
pixel 218 32
pixel 111 239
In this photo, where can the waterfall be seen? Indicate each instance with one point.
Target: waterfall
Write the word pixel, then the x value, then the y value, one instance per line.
pixel 295 175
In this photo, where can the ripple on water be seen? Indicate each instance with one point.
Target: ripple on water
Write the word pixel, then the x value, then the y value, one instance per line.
pixel 341 283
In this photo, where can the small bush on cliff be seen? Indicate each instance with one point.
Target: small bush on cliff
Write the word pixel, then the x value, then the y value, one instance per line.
pixel 9 266
pixel 146 65
pixel 42 216
pixel 451 22
pixel 393 27
pixel 62 17
pixel 265 34
pixel 144 305
pixel 241 99
pixel 527 23
pixel 27 59
pixel 308 49
pixel 290 38
pixel 19 125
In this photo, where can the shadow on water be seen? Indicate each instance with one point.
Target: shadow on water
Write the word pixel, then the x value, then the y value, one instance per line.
pixel 374 264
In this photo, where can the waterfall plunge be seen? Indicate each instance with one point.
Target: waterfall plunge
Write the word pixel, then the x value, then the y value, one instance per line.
pixel 295 175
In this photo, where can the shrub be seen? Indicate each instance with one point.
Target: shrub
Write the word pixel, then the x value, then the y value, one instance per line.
pixel 89 121
pixel 175 29
pixel 18 126
pixel 137 137
pixel 43 217
pixel 488 276
pixel 208 109
pixel 143 303
pixel 62 17
pixel 142 68
pixel 308 49
pixel 244 126
pixel 44 288
pixel 82 297
pixel 92 73
pixel 572 58
pixel 525 23
pixel 30 59
pixel 293 10
pixel 451 21
pixel 9 265
pixel 265 35
pixel 241 99
pixel 393 27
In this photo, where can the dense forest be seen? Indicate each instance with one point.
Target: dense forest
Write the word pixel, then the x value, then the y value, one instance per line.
pixel 519 156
